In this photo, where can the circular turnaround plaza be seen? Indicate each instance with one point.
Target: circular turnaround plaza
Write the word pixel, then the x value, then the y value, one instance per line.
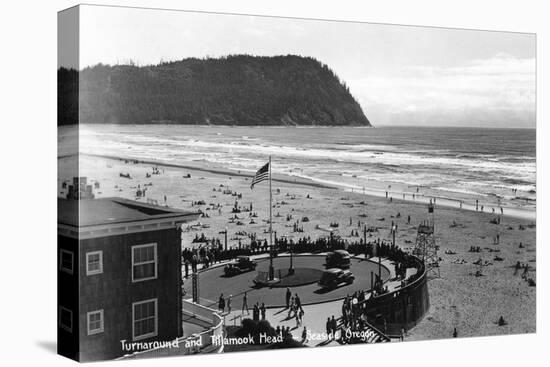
pixel 308 270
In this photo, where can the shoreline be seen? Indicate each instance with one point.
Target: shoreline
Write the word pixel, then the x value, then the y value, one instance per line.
pixel 419 198
pixel 218 171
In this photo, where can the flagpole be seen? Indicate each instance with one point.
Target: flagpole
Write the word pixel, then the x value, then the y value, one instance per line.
pixel 271 270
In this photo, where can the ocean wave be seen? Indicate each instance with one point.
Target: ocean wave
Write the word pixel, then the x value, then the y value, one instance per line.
pixel 346 163
pixel 350 153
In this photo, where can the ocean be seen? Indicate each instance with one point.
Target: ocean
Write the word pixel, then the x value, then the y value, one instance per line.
pixel 497 167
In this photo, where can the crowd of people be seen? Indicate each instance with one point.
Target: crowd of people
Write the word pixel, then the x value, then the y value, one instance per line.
pixel 524 268
pixel 353 316
pixel 351 310
pixel 213 251
pixel 294 306
pixel 331 327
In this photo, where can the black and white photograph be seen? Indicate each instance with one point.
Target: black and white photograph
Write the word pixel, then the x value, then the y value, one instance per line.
pixel 274 183
pixel 234 183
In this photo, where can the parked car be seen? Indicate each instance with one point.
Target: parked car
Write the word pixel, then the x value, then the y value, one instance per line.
pixel 240 265
pixel 338 259
pixel 332 278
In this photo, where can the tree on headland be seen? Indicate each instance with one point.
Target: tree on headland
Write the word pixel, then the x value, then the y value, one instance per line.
pixel 230 90
pixel 67 96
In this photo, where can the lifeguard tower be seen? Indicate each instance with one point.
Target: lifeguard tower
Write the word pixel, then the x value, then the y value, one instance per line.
pixel 425 247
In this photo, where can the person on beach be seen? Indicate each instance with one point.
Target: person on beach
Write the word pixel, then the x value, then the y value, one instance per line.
pixel 262 311
pixel 304 335
pixel 298 302
pixel 221 303
pixel 333 326
pixel 186 268
pixel 517 267
pixel 256 312
pixel 288 295
pixel 328 327
pixel 194 262
pixel 245 304
pixel 525 273
pixel 291 308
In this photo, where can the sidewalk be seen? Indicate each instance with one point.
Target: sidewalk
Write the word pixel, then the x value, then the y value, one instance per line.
pixel 315 317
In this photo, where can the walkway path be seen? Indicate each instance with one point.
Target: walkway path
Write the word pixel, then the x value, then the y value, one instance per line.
pixel 315 316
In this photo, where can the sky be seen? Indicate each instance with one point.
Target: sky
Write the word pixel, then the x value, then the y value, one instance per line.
pixel 400 75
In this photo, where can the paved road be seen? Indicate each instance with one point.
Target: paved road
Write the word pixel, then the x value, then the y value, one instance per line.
pixel 314 319
pixel 212 283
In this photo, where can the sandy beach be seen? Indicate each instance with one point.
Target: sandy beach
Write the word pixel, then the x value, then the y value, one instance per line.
pixel 459 299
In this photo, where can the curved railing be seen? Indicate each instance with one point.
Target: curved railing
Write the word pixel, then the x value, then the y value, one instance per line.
pixel 401 309
pixel 196 343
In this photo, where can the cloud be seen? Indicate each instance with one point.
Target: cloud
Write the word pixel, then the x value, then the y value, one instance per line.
pixel 498 91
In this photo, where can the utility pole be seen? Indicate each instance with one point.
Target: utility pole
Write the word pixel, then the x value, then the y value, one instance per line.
pixel 380 269
pixel 365 240
pixel 225 235
pixel 393 230
pixel 271 269
pixel 291 269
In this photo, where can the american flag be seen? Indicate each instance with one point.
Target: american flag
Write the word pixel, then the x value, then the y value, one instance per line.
pixel 261 175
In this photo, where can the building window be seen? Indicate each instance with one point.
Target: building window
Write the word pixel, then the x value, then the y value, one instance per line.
pixel 66 261
pixel 66 319
pixel 144 319
pixel 144 262
pixel 94 262
pixel 95 322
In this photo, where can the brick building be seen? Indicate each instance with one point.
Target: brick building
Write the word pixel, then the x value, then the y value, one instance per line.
pixel 119 275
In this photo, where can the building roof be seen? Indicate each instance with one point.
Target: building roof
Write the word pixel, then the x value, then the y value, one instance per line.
pixel 105 211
